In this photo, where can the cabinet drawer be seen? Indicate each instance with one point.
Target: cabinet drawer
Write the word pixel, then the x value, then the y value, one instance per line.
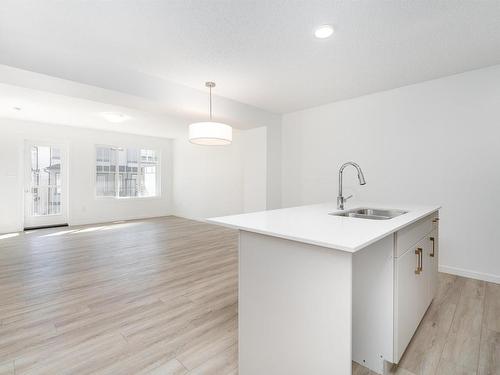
pixel 409 236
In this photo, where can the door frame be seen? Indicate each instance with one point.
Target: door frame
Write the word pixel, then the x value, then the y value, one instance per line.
pixel 50 220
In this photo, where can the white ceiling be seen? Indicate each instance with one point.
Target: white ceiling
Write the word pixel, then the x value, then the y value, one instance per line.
pixel 259 52
pixel 32 105
pixel 157 107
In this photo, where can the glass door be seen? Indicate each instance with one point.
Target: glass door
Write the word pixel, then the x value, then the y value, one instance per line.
pixel 45 185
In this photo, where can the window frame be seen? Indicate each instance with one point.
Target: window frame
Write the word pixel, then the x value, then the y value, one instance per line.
pixel 158 194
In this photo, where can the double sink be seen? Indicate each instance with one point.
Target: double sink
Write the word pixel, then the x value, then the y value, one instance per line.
pixel 370 213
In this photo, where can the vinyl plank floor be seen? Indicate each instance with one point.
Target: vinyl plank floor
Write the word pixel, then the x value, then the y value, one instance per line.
pixel 159 296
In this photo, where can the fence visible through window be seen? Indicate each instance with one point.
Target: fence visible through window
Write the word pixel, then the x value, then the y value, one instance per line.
pixel 45 181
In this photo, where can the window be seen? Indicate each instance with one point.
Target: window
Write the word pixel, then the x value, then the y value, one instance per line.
pixel 124 173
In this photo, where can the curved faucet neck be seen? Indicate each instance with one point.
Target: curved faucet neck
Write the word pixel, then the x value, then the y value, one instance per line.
pixel 355 165
pixel 340 198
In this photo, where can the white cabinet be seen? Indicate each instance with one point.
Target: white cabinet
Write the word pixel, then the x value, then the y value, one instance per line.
pixel 416 272
pixel 393 283
pixel 412 294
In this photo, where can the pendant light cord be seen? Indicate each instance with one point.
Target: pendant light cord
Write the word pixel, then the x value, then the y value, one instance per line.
pixel 210 103
pixel 210 85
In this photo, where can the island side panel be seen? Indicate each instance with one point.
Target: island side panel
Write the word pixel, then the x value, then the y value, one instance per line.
pixel 373 301
pixel 295 308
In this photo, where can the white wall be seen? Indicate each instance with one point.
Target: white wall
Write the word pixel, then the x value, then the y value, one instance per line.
pixel 254 158
pixel 436 142
pixel 216 181
pixel 274 165
pixel 83 206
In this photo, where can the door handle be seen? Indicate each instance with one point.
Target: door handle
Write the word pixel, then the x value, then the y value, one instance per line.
pixel 419 268
pixel 433 240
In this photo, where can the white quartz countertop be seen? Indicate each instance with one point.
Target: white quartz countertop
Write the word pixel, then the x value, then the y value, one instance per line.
pixel 312 224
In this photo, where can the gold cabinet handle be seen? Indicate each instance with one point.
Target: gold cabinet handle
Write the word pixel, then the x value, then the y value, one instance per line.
pixel 419 268
pixel 421 260
pixel 433 240
pixel 435 220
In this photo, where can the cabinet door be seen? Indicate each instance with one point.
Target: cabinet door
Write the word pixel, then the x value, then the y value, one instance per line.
pixel 432 263
pixel 412 293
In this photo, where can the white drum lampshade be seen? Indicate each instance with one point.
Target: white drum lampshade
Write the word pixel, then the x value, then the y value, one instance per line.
pixel 210 133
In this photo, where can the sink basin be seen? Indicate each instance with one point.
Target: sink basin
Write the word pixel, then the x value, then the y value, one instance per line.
pixel 370 213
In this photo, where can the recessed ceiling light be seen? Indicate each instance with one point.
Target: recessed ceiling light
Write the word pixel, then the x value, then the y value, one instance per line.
pixel 115 116
pixel 323 31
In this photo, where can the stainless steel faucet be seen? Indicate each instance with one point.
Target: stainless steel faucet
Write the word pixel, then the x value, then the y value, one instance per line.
pixel 341 199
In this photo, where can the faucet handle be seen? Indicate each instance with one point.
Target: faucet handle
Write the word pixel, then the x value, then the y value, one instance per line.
pixel 341 200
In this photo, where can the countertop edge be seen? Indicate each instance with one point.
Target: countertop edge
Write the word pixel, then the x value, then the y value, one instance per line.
pixel 214 221
pixel 282 236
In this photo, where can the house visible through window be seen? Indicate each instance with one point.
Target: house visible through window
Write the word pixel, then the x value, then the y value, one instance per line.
pixel 126 172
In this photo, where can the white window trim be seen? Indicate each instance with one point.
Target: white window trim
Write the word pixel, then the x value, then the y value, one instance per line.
pixel 158 196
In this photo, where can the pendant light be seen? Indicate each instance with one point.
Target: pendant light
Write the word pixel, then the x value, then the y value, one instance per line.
pixel 210 133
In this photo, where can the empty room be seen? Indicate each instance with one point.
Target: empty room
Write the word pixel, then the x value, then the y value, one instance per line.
pixel 222 187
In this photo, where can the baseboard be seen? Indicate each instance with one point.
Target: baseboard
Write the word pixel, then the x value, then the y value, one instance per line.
pixel 45 227
pixel 10 230
pixel 470 274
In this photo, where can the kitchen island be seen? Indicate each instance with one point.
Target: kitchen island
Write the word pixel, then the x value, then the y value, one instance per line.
pixel 317 290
